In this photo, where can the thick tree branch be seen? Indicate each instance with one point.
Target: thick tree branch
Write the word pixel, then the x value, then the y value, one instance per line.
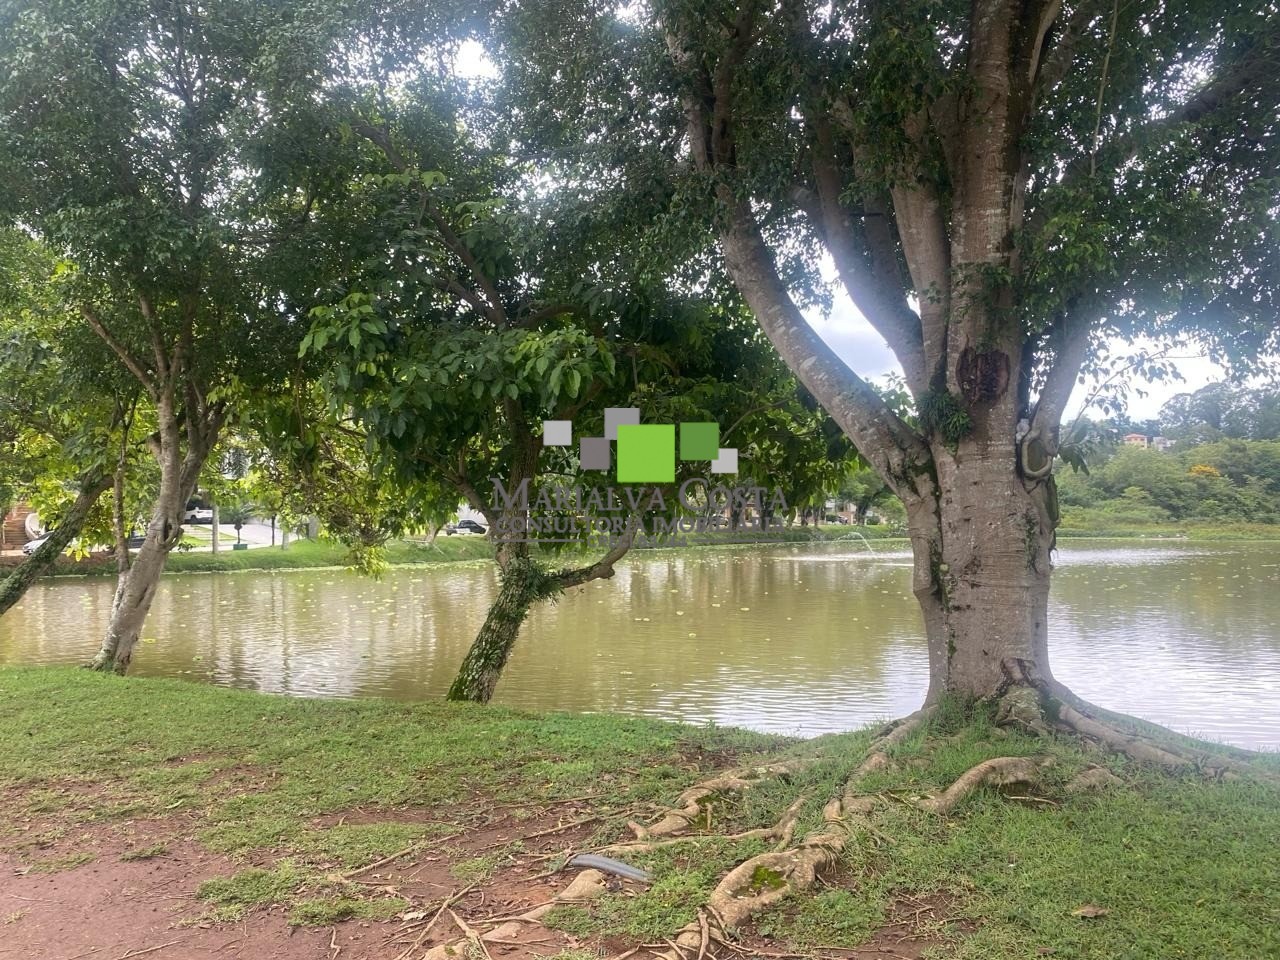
pixel 867 263
pixel 158 349
pixel 494 308
pixel 922 228
pixel 740 37
pixel 92 485
pixel 1070 350
pixel 497 312
pixel 201 437
pixel 892 447
pixel 873 286
pixel 531 318
pixel 1056 60
pixel 1257 73
pixel 381 139
pixel 602 569
pixel 134 366
pixel 896 451
pixel 451 286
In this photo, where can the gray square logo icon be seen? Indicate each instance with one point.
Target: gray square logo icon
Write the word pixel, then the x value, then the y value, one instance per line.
pixel 557 433
pixel 594 453
pixel 615 417
pixel 727 462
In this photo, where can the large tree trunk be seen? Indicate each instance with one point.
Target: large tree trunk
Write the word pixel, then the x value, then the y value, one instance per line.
pixel 982 569
pixel 15 585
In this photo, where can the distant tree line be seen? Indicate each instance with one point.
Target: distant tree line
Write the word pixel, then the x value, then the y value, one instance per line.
pixel 1226 480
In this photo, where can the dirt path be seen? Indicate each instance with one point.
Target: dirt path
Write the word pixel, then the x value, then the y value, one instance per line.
pixel 113 909
pixel 109 908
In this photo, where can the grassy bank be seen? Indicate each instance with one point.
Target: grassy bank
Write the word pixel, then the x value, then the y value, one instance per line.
pixel 311 554
pixel 1084 523
pixel 291 798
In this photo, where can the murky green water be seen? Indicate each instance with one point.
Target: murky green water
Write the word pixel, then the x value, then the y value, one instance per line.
pixel 794 639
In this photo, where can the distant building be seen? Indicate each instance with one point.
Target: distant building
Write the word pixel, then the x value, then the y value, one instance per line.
pixel 1161 443
pixel 1136 440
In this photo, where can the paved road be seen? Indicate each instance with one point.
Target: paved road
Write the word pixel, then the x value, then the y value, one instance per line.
pixel 254 534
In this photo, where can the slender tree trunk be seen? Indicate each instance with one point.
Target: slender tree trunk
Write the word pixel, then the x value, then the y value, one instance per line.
pixel 15 585
pixel 482 667
pixel 215 535
pixel 122 543
pixel 178 477
pixel 524 582
pixel 138 586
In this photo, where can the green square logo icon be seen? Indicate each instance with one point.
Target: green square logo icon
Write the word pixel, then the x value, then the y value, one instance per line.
pixel 699 441
pixel 646 453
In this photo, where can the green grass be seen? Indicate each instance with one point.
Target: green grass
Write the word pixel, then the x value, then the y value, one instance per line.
pixel 1185 868
pixel 306 554
pixel 255 887
pixel 1081 522
pixel 313 554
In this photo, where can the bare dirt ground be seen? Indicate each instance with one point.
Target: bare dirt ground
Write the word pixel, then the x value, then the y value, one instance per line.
pixel 108 908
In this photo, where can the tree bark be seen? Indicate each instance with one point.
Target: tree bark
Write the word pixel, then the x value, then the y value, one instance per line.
pixel 121 538
pixel 981 526
pixel 179 474
pixel 982 570
pixel 522 585
pixel 138 585
pixel 16 584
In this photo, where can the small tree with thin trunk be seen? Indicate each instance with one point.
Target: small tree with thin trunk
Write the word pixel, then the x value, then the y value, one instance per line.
pixel 127 135
pixel 479 308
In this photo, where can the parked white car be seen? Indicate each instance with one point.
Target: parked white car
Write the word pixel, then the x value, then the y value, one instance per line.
pixel 31 546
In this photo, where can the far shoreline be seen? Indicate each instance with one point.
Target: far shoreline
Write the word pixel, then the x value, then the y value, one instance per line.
pixel 323 555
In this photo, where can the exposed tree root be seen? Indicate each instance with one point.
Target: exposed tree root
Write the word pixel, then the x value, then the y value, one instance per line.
pixel 691 805
pixel 1040 706
pixel 792 867
pixel 1166 754
pixel 763 880
pixel 782 832
pixel 588 885
pixel 900 730
pixel 997 772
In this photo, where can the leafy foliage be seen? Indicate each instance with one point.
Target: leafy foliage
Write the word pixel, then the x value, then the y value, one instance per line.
pixel 1228 480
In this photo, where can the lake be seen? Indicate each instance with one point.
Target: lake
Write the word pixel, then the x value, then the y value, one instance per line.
pixel 797 639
